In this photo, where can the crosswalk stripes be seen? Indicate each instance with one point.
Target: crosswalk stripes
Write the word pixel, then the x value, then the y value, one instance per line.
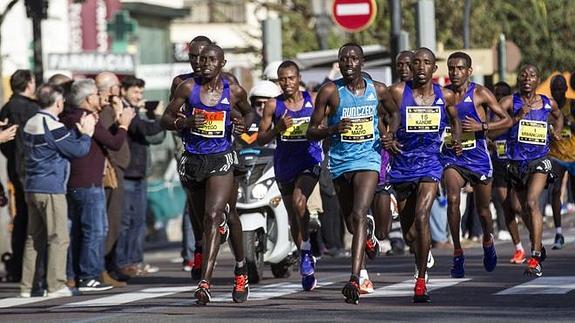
pixel 557 285
pixel 405 288
pixel 131 297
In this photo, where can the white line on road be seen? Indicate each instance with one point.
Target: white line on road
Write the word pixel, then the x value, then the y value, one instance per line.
pixel 124 298
pixel 18 301
pixel 405 288
pixel 271 291
pixel 543 285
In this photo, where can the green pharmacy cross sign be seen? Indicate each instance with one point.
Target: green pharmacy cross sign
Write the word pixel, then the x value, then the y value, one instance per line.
pixel 120 28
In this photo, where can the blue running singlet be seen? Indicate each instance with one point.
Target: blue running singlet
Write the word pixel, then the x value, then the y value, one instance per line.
pixel 475 157
pixel 215 136
pixel 529 138
pixel 419 133
pixel 359 149
pixel 294 153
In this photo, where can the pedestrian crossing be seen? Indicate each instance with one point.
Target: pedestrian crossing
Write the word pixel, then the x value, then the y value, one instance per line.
pixel 559 285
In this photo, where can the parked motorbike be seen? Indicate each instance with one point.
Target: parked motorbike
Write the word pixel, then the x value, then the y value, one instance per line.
pixel 264 218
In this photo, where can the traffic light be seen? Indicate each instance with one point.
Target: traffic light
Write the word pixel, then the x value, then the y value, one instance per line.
pixel 36 9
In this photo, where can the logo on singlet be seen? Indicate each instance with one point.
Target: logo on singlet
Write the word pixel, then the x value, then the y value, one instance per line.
pixel 225 101
pixel 468 99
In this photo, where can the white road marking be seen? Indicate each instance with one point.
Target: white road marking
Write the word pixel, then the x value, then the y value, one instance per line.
pixel 18 301
pixel 405 288
pixel 543 285
pixel 124 298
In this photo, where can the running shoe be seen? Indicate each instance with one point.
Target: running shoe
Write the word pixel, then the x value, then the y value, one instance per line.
pixel 458 271
pixel 308 282
pixel 197 266
pixel 307 263
pixel 518 257
pixel 420 292
pixel 430 260
pixel 241 290
pixel 533 267
pixel 365 286
pixel 93 285
pixel 371 243
pixel 416 275
pixel 559 242
pixel 203 295
pixel 224 231
pixel 489 257
pixel 351 292
pixel 187 265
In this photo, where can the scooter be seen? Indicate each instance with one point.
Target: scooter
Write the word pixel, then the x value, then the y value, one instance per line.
pixel 264 218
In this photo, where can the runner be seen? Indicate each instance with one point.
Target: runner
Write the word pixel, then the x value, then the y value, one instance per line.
pixel 562 155
pixel 501 183
pixel 414 142
pixel 382 206
pixel 290 114
pixel 527 148
pixel 207 165
pixel 474 165
pixel 352 108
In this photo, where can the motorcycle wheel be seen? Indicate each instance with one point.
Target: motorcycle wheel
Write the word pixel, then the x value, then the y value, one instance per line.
pixel 281 269
pixel 254 253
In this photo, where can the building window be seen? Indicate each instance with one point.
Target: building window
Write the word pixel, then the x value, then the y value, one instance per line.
pixel 217 11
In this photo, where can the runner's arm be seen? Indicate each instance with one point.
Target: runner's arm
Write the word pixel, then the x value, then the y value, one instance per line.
pixel 170 119
pixel 454 120
pixel 240 99
pixel 556 120
pixel 317 129
pixel 506 104
pixel 265 132
pixel 487 98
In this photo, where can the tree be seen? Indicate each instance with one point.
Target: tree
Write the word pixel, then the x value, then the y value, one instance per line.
pixel 3 15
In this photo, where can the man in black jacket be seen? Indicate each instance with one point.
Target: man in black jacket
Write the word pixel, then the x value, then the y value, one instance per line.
pixel 18 110
pixel 129 247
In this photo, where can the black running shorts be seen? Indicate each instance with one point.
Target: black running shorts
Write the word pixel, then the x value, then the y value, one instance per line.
pixel 469 176
pixel 286 188
pixel 194 169
pixel 520 171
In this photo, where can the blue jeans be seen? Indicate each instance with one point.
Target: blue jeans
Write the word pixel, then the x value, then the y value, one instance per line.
pixel 130 245
pixel 438 220
pixel 89 226
pixel 188 240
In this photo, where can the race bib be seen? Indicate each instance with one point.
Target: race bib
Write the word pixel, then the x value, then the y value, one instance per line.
pixel 467 139
pixel 501 148
pixel 361 130
pixel 566 133
pixel 215 125
pixel 422 119
pixel 532 132
pixel 297 130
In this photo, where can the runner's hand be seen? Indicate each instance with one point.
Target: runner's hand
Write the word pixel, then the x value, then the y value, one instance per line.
pixel 195 121
pixel 284 123
pixel 470 125
pixel 456 145
pixel 390 144
pixel 343 126
pixel 239 126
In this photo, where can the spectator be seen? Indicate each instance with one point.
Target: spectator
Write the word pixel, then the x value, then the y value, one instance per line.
pixel 49 145
pixel 112 108
pixel 86 197
pixel 17 111
pixel 130 245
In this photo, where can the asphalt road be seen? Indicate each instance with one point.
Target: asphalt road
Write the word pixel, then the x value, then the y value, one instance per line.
pixel 503 295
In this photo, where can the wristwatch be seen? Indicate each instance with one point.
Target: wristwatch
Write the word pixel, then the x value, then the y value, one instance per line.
pixel 484 126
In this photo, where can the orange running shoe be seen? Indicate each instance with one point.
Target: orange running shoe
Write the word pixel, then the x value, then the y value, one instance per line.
pixel 518 257
pixel 366 286
pixel 241 290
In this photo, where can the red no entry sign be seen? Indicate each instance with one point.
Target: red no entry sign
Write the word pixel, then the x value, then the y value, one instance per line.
pixel 353 15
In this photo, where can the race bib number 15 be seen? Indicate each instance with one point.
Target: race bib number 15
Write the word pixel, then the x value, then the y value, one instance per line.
pixel 215 125
pixel 361 130
pixel 422 119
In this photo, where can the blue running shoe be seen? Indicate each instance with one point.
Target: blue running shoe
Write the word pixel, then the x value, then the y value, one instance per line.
pixel 489 258
pixel 457 271
pixel 307 263
pixel 308 282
